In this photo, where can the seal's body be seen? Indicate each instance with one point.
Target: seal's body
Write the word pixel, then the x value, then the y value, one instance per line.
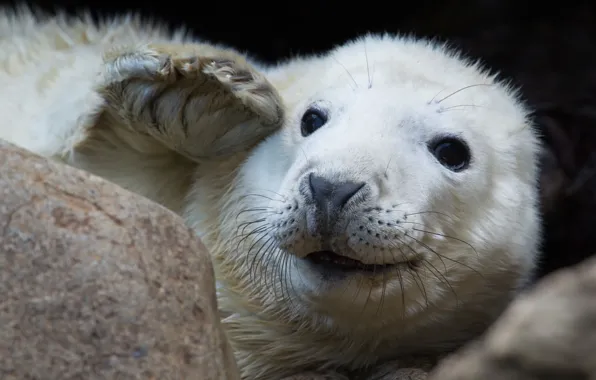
pixel 376 201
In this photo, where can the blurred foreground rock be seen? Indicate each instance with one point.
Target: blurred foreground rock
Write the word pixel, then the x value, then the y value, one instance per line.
pixel 98 283
pixel 548 334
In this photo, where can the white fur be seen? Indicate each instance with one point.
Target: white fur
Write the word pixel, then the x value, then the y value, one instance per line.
pixel 386 97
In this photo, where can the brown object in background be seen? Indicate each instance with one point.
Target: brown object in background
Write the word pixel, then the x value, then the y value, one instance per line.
pixel 99 283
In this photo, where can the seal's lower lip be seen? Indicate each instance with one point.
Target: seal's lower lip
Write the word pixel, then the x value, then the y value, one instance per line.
pixel 336 261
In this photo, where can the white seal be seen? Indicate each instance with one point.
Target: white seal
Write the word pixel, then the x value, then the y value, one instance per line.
pixel 375 201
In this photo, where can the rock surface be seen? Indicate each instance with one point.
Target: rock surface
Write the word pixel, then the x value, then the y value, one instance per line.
pixel 547 334
pixel 98 283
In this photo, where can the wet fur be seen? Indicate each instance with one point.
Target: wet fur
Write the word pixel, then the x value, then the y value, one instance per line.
pixel 114 98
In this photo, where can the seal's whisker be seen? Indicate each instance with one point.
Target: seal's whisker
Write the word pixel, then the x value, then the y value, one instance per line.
pixel 263 264
pixel 399 272
pixel 243 226
pixel 367 67
pixel 441 277
pixel 417 279
pixel 292 262
pixel 382 300
pixel 434 270
pixel 289 282
pixel 249 234
pixel 402 288
pixel 370 289
pixel 249 264
pixel 279 270
pixel 241 198
pixel 347 71
pixel 440 234
pixel 255 209
pixel 360 279
pixel 252 234
pixel 419 242
pixel 460 106
pixel 443 257
pixel 285 278
pixel 244 196
pixel 270 268
pixel 256 231
pixel 256 255
pixel 462 89
pixel 428 212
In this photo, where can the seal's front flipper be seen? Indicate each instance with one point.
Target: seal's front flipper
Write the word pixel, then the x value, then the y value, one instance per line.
pixel 198 100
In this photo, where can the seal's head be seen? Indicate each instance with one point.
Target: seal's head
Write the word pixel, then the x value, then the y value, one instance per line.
pixel 400 195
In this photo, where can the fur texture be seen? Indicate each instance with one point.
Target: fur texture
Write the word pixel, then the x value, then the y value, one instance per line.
pixel 199 129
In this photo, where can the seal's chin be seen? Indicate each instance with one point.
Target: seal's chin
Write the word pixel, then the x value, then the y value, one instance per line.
pixel 332 261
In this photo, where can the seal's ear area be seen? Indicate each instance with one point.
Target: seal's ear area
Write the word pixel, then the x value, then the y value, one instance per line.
pixel 200 101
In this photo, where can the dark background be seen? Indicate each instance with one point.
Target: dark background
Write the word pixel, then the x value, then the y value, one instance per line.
pixel 548 49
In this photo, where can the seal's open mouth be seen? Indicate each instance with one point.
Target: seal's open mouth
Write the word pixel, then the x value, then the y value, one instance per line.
pixel 335 261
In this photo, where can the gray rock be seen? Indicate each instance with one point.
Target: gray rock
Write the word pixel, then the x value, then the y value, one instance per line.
pixel 547 334
pixel 99 283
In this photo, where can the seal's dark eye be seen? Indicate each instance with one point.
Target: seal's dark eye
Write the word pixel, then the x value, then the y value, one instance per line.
pixel 453 153
pixel 312 120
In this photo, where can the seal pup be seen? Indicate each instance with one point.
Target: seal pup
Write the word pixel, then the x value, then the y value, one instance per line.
pixel 376 201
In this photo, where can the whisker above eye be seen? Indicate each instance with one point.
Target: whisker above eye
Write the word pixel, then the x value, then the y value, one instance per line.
pixel 458 91
pixel 367 67
pixel 460 106
pixel 347 71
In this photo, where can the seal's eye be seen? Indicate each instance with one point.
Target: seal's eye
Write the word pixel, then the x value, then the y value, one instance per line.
pixel 312 120
pixel 453 153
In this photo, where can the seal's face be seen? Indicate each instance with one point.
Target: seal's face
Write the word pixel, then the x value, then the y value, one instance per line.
pixel 396 184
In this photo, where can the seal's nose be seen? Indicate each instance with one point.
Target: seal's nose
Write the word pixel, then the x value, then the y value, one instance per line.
pixel 330 195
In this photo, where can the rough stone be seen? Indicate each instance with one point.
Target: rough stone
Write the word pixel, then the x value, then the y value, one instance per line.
pixel 547 334
pixel 99 283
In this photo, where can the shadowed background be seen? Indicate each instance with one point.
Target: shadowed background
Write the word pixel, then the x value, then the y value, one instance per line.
pixel 547 49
